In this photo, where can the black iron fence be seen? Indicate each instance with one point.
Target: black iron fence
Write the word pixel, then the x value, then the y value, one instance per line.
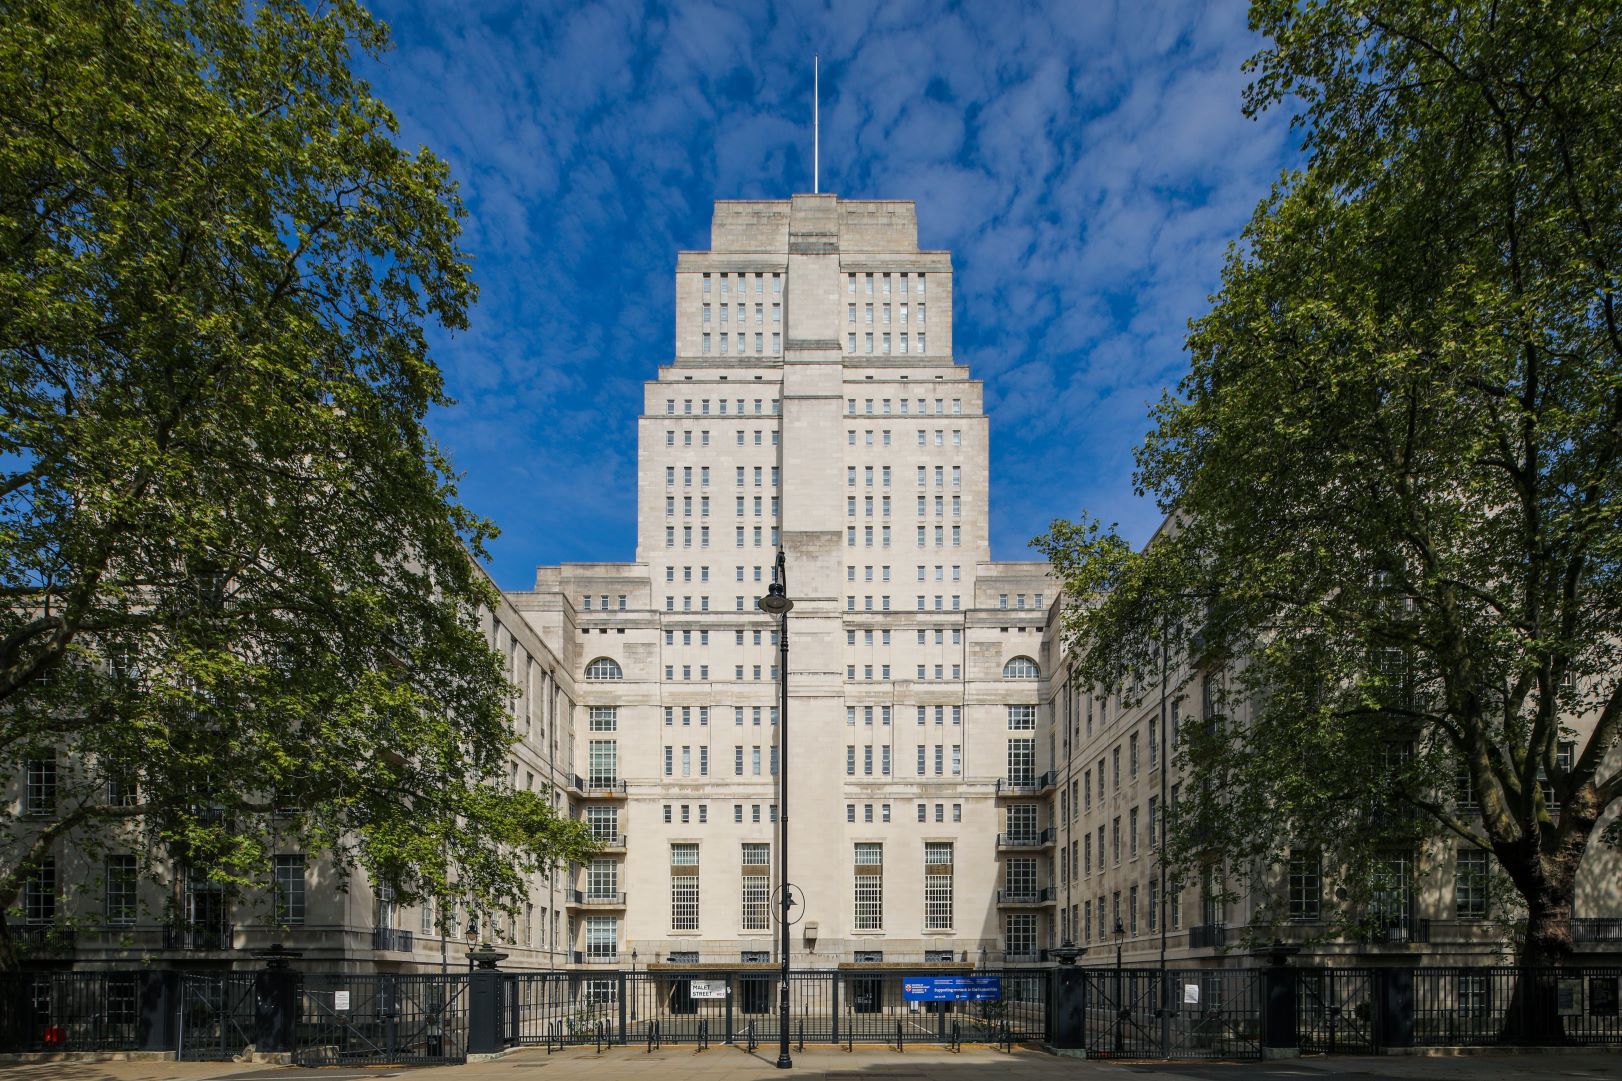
pixel 725 1006
pixel 90 1011
pixel 385 1019
pixel 1462 1006
pixel 1175 1013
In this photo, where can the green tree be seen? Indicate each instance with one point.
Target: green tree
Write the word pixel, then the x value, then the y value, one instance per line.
pixel 240 603
pixel 1392 470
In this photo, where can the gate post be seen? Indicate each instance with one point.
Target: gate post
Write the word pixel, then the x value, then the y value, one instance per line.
pixel 275 1002
pixel 1394 1007
pixel 1067 1010
pixel 158 1000
pixel 633 987
pixel 834 979
pixel 484 1012
pixel 732 986
pixel 1280 1036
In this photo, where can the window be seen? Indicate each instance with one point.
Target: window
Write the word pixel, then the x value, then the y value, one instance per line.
pixel 1022 761
pixel 1474 995
pixel 755 887
pixel 39 893
pixel 869 887
pixel 604 823
pixel 1021 668
pixel 604 668
pixel 118 907
pixel 684 887
pixel 602 938
pixel 603 880
pixel 1306 886
pixel 289 883
pixel 937 885
pixel 602 761
pixel 1022 718
pixel 1020 935
pixel 39 794
pixel 603 718
pixel 1470 885
pixel 1393 900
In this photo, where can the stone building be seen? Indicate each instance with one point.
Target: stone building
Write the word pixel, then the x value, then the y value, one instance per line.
pixel 948 802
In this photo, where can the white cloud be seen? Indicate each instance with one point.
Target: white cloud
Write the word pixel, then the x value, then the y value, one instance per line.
pixel 1087 164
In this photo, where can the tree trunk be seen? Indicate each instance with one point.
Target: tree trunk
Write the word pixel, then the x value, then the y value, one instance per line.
pixel 8 946
pixel 1548 927
pixel 1533 1015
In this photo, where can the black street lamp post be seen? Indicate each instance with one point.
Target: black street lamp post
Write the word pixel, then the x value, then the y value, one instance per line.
pixel 776 602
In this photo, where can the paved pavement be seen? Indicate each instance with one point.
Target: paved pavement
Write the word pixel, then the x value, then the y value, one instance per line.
pixel 828 1064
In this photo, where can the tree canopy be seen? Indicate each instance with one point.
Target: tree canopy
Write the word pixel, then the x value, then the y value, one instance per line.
pixel 1392 468
pixel 238 599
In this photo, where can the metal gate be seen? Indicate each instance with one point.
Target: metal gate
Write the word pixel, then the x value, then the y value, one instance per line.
pixel 1335 1011
pixel 216 1015
pixel 381 1019
pixel 1176 1013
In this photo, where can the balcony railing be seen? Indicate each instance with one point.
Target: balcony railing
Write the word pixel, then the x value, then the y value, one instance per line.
pixel 612 841
pixel 1037 839
pixel 1026 785
pixel 392 938
pixel 199 938
pixel 598 957
pixel 1026 897
pixel 1400 932
pixel 1596 929
pixel 599 786
pixel 1207 936
pixel 599 900
pixel 43 937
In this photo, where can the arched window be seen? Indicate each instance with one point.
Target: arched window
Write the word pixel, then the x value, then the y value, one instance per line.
pixel 604 668
pixel 1021 668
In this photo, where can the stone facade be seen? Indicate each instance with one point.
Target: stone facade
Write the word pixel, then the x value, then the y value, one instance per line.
pixel 948 799
pixel 845 435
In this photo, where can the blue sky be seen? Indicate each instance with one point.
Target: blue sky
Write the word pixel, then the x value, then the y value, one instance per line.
pixel 1086 163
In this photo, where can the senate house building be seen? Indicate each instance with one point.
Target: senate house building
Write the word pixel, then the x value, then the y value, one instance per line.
pixel 954 799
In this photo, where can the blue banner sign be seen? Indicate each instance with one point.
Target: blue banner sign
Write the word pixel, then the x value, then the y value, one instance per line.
pixel 952 988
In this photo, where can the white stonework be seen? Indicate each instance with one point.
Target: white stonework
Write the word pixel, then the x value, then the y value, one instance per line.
pixel 928 733
pixel 869 469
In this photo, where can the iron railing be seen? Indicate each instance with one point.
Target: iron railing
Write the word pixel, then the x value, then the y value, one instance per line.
pixel 199 937
pixel 1026 785
pixel 1034 839
pixel 392 939
pixel 1026 897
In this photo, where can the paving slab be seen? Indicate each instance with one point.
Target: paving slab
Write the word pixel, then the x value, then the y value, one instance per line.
pixel 864 1064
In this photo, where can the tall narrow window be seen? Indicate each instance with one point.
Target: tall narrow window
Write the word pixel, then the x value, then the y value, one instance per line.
pixel 869 887
pixel 937 885
pixel 1306 886
pixel 1470 885
pixel 118 908
pixel 754 886
pixel 684 887
pixel 39 791
pixel 289 871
